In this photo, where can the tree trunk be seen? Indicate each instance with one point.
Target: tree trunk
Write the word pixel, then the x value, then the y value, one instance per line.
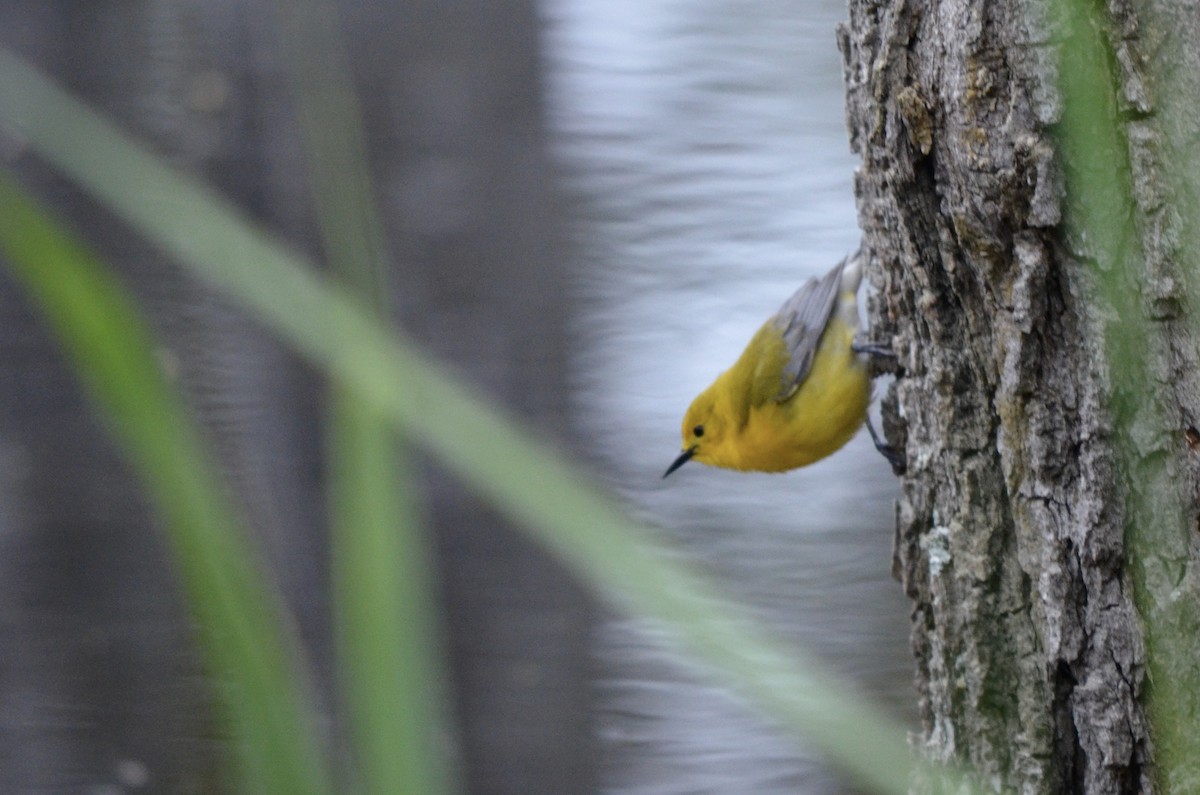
pixel 1031 601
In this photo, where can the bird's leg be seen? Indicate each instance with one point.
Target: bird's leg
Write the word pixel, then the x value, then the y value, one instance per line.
pixel 894 456
pixel 873 348
pixel 881 359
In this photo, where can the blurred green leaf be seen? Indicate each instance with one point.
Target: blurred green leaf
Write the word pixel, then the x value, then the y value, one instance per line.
pixel 263 689
pixel 388 639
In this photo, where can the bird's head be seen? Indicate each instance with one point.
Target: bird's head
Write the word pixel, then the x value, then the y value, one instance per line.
pixel 704 433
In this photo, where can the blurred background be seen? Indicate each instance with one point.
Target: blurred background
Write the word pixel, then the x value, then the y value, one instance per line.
pixel 591 206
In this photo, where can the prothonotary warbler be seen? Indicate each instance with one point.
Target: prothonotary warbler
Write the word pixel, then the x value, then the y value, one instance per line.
pixel 797 393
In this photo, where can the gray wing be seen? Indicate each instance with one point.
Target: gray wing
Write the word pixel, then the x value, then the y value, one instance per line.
pixel 801 320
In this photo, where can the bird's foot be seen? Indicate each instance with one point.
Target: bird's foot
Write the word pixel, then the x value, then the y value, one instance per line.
pixel 873 348
pixel 895 457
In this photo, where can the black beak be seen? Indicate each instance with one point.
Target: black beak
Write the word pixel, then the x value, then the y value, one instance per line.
pixel 684 457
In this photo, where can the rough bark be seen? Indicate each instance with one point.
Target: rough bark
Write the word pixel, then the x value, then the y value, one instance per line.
pixel 1012 536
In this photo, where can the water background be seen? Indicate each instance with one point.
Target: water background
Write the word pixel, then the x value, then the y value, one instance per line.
pixel 707 160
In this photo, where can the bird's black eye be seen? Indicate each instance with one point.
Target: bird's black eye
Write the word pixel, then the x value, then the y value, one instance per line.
pixel 698 431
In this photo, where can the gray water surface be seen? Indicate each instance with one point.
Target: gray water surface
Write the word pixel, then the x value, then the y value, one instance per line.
pixel 707 157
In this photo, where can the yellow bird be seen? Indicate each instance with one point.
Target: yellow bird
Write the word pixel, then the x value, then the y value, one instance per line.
pixel 797 393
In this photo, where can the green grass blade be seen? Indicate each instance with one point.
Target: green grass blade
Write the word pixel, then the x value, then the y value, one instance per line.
pixel 335 145
pixel 523 478
pixel 387 632
pixel 262 691
pixel 388 640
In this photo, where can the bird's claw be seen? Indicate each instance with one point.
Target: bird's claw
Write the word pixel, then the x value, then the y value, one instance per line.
pixel 894 457
pixel 873 348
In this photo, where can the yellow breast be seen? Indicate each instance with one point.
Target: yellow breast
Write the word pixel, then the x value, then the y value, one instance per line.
pixel 818 419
